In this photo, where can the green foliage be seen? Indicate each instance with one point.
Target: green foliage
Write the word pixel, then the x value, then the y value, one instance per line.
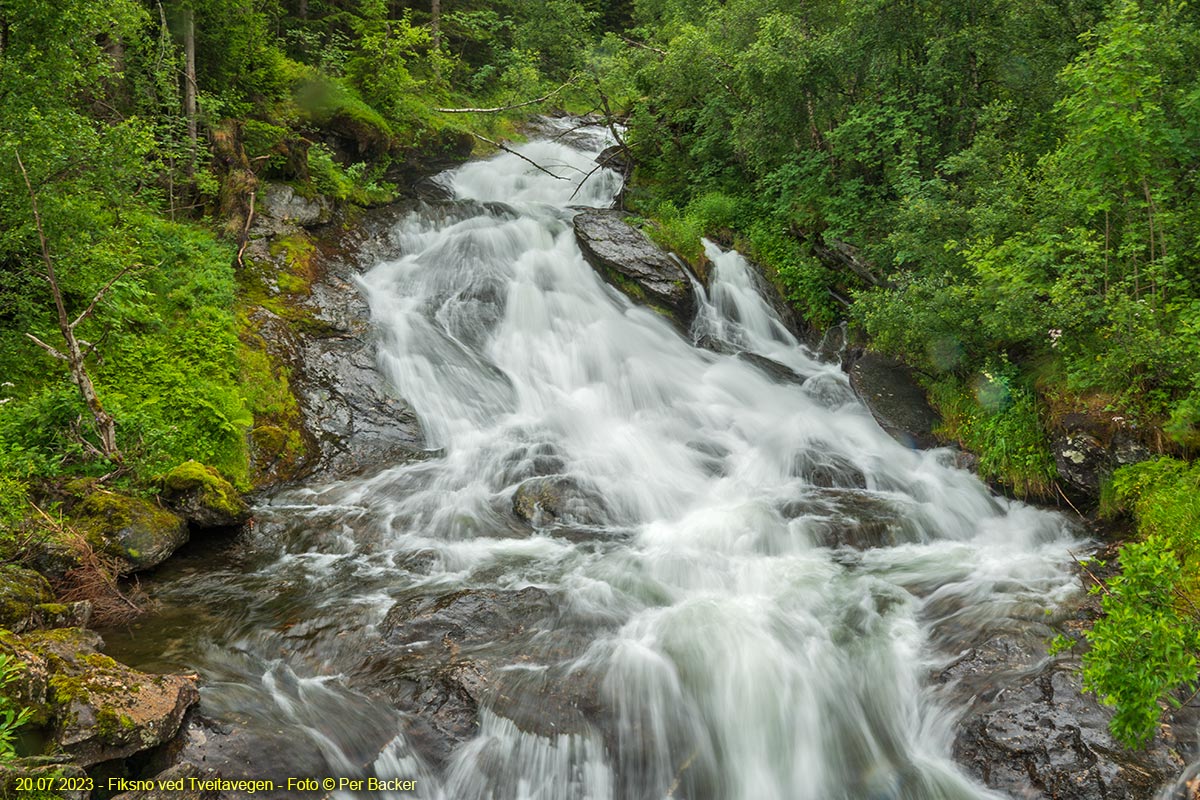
pixel 14 503
pixel 12 717
pixel 996 416
pixel 357 183
pixel 804 280
pixel 1144 649
pixel 677 231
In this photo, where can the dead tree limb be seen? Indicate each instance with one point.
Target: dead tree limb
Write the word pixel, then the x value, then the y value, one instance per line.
pixel 518 155
pixel 498 109
pixel 105 426
pixel 599 165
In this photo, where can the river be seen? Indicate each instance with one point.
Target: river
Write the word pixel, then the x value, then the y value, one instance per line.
pixel 732 586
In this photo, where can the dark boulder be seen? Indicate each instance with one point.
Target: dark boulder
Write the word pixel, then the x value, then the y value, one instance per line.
pixel 894 398
pixel 443 659
pixel 1087 453
pixel 627 259
pixel 137 533
pixel 780 373
pixel 821 467
pixel 22 591
pixel 1041 737
pixel 559 500
pixel 615 157
pixel 850 518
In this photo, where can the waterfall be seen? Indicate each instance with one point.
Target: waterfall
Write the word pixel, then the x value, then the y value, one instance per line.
pixel 744 590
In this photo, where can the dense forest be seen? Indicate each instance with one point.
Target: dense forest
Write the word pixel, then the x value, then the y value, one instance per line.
pixel 1003 195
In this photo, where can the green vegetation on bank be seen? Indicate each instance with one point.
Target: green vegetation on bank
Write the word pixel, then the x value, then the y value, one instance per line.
pixel 145 130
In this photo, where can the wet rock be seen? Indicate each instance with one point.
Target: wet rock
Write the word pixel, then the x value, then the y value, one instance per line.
pixel 530 461
pixel 849 518
pixel 465 617
pixel 176 783
pixel 1086 454
pixel 95 709
pixel 201 496
pixel 832 345
pixel 818 466
pixel 137 533
pixel 1081 461
pixel 1042 738
pixel 781 373
pixel 279 203
pixel 634 264
pixel 615 157
pixel 895 399
pixel 444 658
pixel 558 499
pixel 22 592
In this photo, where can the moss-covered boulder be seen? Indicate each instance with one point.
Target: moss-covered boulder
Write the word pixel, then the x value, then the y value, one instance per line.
pixel 139 534
pixel 93 708
pixel 21 592
pixel 205 499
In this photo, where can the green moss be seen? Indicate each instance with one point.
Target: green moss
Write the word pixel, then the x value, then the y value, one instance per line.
pixel 129 528
pixel 113 726
pixel 276 441
pixel 214 491
pixel 21 590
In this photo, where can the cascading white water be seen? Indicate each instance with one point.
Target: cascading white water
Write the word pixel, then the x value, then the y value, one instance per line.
pixel 742 659
pixel 738 648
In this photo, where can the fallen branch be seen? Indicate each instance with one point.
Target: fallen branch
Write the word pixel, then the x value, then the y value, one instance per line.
pixel 1064 497
pixel 599 165
pixel 246 232
pixel 1090 574
pixel 498 109
pixel 518 155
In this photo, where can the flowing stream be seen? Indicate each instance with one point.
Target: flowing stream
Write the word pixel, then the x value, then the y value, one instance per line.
pixel 742 596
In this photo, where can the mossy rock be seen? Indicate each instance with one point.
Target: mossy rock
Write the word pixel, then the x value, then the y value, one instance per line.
pixel 203 497
pixel 21 592
pixel 96 708
pixel 138 533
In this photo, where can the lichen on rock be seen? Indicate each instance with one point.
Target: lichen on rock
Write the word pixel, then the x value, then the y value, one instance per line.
pixel 94 708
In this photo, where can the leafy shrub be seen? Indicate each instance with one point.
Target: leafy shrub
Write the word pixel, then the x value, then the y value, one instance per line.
pixel 12 717
pixel 996 416
pixel 1144 649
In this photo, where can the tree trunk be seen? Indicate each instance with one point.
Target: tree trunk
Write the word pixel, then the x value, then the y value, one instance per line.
pixel 75 356
pixel 189 83
pixel 435 39
pixel 302 9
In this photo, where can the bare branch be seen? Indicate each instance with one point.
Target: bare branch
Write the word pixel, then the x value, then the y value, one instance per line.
pixel 87 312
pixel 599 165
pixel 518 155
pixel 246 232
pixel 49 349
pixel 497 109
pixel 644 46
